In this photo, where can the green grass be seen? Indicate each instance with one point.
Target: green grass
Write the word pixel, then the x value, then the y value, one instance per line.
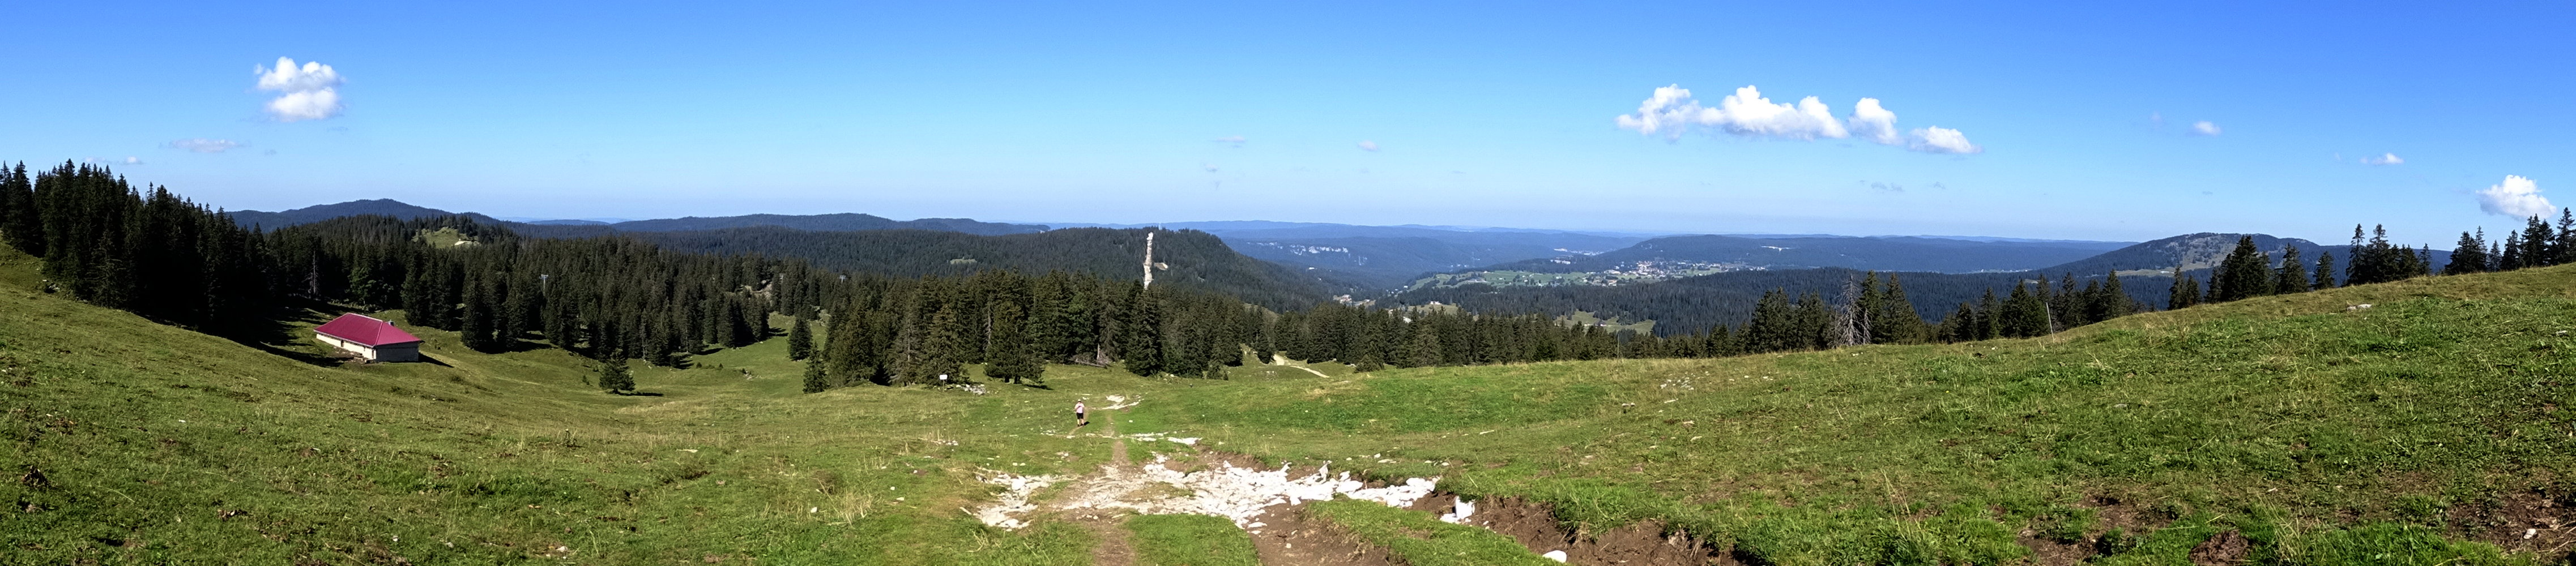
pixel 1189 540
pixel 2324 436
pixel 2445 394
pixel 136 442
pixel 1420 540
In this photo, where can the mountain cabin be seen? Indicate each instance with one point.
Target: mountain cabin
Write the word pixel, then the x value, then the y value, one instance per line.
pixel 371 339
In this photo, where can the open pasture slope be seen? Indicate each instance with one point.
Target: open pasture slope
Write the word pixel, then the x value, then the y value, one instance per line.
pixel 2430 428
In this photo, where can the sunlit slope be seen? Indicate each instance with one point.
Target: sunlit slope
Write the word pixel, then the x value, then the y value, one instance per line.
pixel 2442 405
pixel 130 441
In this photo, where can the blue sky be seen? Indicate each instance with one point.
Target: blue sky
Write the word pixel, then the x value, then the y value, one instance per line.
pixel 1486 114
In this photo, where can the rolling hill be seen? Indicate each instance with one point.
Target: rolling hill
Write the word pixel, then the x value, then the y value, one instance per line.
pixel 1193 259
pixel 2197 253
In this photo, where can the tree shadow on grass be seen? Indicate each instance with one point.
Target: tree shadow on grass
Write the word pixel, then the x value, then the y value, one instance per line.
pixel 280 334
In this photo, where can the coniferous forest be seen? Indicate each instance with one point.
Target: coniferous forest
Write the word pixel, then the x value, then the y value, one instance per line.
pixel 620 297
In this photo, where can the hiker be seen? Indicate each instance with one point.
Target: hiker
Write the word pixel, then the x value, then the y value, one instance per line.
pixel 1078 419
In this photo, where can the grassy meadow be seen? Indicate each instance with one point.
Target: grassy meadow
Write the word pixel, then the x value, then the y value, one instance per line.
pixel 2427 429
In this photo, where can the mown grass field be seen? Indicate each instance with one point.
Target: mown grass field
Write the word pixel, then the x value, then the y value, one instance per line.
pixel 2411 432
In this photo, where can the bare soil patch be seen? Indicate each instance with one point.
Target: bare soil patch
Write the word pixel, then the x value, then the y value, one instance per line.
pixel 2527 521
pixel 2227 548
pixel 1287 537
pixel 1535 526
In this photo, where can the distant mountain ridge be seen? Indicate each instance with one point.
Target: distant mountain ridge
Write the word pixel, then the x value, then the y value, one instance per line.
pixel 321 212
pixel 2198 252
pixel 1882 253
pixel 841 222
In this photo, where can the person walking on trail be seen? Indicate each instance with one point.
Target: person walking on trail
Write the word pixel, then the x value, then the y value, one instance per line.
pixel 1078 419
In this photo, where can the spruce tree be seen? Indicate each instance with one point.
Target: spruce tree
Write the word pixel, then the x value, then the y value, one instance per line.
pixel 817 379
pixel 943 347
pixel 800 339
pixel 2513 247
pixel 613 377
pixel 477 328
pixel 2537 242
pixel 2246 273
pixel 2115 302
pixel 2470 256
pixel 1140 333
pixel 2292 277
pixel 2566 242
pixel 2324 277
pixel 1424 349
pixel 1011 358
pixel 2186 292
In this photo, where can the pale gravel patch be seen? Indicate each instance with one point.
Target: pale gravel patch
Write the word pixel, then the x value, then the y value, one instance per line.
pixel 1223 490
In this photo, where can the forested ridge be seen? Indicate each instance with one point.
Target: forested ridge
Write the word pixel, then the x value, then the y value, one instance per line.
pixel 1193 259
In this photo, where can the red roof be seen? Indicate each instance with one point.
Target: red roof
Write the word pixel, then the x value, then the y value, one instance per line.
pixel 361 329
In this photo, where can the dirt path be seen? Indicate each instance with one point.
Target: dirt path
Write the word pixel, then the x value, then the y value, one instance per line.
pixel 1117 444
pixel 1113 550
pixel 1310 370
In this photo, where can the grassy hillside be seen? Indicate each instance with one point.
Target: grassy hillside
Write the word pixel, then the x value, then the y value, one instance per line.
pixel 2311 430
pixel 2429 428
pixel 136 442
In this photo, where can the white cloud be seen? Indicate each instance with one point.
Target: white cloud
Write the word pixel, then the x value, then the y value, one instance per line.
pixel 2517 197
pixel 1873 122
pixel 202 145
pixel 2383 159
pixel 1942 140
pixel 1236 141
pixel 2204 128
pixel 1672 111
pixel 1368 145
pixel 310 92
pixel 132 160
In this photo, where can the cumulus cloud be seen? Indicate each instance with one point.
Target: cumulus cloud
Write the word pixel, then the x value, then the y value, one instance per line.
pixel 2204 128
pixel 1942 140
pixel 2383 159
pixel 1236 141
pixel 2516 196
pixel 1671 111
pixel 1873 122
pixel 202 145
pixel 1368 145
pixel 309 92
